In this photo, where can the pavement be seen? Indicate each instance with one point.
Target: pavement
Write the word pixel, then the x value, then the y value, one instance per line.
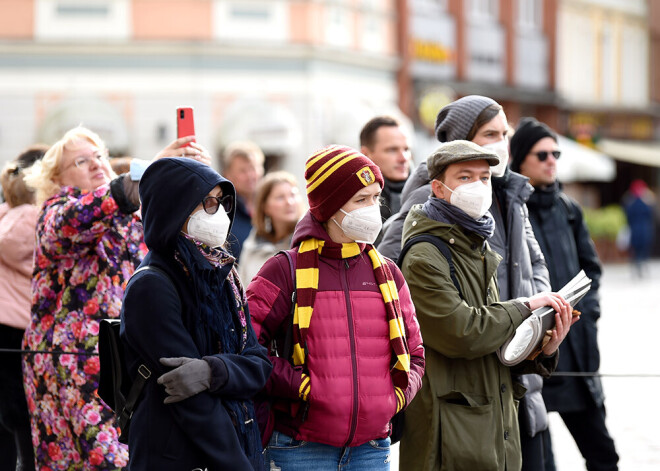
pixel 629 330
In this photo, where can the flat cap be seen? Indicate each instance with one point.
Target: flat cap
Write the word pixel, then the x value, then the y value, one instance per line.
pixel 457 151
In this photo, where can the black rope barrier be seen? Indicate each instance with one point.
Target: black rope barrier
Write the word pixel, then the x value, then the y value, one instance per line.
pixel 574 374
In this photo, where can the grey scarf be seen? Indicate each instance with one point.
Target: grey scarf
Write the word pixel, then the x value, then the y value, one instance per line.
pixel 441 211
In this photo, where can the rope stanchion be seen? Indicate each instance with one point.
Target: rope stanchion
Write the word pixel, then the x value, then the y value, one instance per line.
pixel 51 352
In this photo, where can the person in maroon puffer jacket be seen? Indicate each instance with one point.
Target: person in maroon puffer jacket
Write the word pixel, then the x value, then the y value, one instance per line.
pixel 357 354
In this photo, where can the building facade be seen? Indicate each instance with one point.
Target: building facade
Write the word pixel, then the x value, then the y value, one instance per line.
pixel 503 49
pixel 290 75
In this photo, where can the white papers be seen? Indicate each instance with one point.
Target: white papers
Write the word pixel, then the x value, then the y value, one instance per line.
pixel 529 335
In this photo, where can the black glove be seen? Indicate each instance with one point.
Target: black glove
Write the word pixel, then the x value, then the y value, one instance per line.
pixel 190 376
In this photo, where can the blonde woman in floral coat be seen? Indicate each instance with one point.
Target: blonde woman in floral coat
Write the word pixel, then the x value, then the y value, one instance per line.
pixel 89 242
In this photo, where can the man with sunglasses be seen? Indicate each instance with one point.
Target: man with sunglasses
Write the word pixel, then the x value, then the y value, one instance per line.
pixel 567 246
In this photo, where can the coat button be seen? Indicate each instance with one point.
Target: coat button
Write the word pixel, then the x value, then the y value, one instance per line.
pixel 451 241
pixel 506 434
pixel 515 264
pixel 503 388
pixel 414 223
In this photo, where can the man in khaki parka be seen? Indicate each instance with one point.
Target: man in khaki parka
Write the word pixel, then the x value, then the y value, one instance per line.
pixel 464 417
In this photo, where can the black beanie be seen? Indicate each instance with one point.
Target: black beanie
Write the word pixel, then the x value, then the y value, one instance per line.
pixel 455 120
pixel 529 132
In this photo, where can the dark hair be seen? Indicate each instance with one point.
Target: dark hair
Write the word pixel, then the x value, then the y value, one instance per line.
pixel 369 130
pixel 484 117
pixel 30 155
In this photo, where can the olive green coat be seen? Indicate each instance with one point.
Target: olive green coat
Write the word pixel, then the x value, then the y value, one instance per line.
pixel 464 417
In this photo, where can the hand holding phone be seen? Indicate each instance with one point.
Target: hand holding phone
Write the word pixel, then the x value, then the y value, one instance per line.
pixel 185 124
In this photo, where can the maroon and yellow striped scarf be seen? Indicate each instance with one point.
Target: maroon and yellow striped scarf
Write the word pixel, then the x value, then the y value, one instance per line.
pixel 307 284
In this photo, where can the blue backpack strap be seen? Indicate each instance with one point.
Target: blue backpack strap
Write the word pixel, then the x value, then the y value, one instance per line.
pixel 441 246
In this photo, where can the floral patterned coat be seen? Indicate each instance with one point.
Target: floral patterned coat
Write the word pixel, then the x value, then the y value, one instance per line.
pixel 87 249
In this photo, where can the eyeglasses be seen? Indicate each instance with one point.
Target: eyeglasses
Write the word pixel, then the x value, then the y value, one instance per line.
pixel 544 154
pixel 212 203
pixel 84 162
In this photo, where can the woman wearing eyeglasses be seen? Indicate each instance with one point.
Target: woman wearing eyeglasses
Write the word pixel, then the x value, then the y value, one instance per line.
pixel 185 317
pixel 88 242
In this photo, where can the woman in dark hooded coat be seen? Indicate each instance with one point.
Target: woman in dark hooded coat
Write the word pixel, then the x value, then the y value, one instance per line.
pixel 186 318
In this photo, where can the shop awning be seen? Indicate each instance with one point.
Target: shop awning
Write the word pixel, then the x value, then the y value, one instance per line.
pixel 581 163
pixel 636 152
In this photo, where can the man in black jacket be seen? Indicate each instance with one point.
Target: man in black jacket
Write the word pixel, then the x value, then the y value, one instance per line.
pixel 382 140
pixel 564 239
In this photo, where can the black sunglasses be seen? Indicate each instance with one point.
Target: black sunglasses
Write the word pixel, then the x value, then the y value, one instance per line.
pixel 212 203
pixel 544 154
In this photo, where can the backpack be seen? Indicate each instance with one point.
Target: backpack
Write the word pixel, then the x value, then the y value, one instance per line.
pixel 398 421
pixel 116 387
pixel 263 406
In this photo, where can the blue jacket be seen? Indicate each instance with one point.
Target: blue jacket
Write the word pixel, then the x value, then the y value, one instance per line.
pixel 160 316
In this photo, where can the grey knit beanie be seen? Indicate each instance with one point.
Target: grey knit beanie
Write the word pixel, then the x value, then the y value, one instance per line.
pixel 455 120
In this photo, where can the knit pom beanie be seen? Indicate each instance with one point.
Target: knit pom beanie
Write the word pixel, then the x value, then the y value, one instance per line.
pixel 334 174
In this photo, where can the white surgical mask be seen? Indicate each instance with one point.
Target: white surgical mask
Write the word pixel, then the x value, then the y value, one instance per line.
pixel 473 198
pixel 211 229
pixel 501 149
pixel 362 224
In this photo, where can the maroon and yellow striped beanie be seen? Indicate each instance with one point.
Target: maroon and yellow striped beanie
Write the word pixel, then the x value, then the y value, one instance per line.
pixel 334 174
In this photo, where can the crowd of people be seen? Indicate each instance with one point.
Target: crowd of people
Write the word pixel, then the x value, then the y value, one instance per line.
pixel 287 335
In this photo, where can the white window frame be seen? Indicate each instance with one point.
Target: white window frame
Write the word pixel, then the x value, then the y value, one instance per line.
pixel 82 19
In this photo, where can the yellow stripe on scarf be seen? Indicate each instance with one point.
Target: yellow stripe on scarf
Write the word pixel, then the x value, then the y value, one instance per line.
pixel 298 355
pixel 307 278
pixel 389 291
pixel 350 250
pixel 302 316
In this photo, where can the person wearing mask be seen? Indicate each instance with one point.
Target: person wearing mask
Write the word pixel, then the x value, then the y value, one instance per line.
pixel 564 238
pixel 185 318
pixel 383 141
pixel 89 241
pixel 243 165
pixel 277 211
pixel 18 220
pixel 522 270
pixel 357 356
pixel 465 416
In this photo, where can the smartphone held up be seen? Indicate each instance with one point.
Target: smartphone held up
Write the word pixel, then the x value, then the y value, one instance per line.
pixel 185 124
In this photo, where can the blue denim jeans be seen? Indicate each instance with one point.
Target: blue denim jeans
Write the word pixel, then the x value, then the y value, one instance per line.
pixel 286 454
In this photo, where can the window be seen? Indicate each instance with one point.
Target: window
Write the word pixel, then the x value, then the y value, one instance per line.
pixel 337 29
pixel 251 20
pixel 483 10
pixel 82 19
pixel 530 14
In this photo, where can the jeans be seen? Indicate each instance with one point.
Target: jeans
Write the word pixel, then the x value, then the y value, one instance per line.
pixel 287 454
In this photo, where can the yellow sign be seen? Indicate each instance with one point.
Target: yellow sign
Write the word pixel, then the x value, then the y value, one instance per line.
pixel 431 51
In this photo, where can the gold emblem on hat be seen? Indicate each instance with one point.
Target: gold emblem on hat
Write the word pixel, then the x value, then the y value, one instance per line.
pixel 366 176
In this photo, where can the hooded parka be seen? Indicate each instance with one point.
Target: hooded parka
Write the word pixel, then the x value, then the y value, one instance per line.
pixel 161 318
pixel 464 417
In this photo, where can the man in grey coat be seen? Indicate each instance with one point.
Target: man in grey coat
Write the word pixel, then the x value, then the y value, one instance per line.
pixel 522 271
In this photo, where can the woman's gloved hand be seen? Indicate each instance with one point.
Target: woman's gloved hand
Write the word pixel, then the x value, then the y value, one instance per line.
pixel 190 376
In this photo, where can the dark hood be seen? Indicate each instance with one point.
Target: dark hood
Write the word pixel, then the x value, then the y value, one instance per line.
pixel 169 191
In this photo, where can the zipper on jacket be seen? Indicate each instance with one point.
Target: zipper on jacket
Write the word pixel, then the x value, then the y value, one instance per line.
pixel 351 336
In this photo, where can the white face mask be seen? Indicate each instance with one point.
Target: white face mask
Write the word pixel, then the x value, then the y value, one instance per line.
pixel 473 198
pixel 501 148
pixel 211 229
pixel 362 224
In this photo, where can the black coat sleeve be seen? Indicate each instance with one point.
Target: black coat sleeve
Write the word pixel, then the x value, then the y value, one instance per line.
pixel 153 329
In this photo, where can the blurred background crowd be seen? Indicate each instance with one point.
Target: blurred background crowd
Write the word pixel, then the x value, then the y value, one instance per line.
pixel 292 76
